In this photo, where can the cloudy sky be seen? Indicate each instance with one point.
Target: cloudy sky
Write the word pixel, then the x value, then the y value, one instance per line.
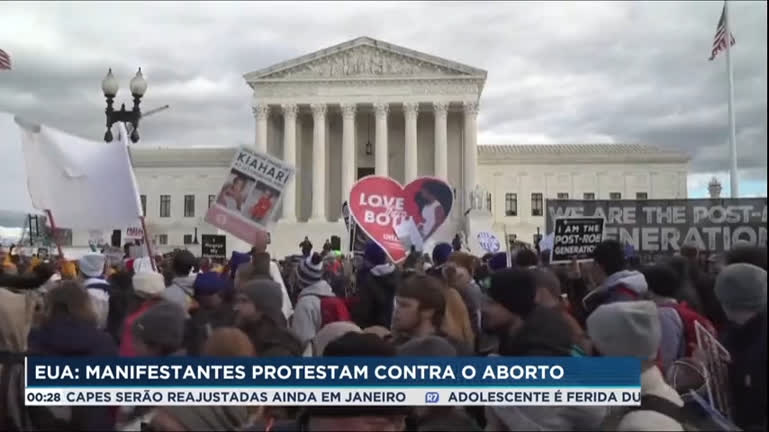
pixel 580 72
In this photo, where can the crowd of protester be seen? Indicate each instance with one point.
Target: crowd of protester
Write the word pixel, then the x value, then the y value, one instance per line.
pixel 450 303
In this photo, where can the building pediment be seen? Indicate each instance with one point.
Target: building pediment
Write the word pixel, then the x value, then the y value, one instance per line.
pixel 364 58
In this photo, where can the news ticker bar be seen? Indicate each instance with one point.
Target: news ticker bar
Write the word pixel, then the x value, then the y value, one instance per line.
pixel 336 396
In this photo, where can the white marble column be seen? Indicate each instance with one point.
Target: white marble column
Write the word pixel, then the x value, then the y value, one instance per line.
pixel 348 149
pixel 289 155
pixel 318 163
pixel 440 110
pixel 411 110
pixel 261 112
pixel 471 148
pixel 381 152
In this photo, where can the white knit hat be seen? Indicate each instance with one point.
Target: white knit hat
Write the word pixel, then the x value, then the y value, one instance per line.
pixel 92 265
pixel 148 284
pixel 626 329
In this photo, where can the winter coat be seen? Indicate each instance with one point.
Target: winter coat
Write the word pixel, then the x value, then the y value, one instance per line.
pixel 307 318
pixel 181 291
pixel 652 383
pixel 376 294
pixel 69 338
pixel 272 339
pixel 127 348
pixel 545 332
pixel 624 285
pixel 202 322
pixel 747 372
pixel 673 342
pixel 99 291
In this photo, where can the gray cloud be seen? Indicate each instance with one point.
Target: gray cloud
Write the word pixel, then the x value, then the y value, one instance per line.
pixel 558 72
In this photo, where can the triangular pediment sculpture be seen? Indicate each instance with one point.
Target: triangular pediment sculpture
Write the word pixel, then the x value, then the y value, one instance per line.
pixel 364 58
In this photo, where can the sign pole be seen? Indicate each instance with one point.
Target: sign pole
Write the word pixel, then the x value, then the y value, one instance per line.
pixel 147 243
pixel 53 231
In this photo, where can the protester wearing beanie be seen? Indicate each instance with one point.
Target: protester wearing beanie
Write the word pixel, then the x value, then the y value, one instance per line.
pixel 258 313
pixel 259 298
pixel 515 290
pixel 307 318
pixel 441 254
pixel 180 291
pixel 741 290
pixel 498 261
pixel 376 289
pixel 632 329
pixel 148 288
pixel 260 266
pixel 92 269
pixel 212 311
pixel 159 331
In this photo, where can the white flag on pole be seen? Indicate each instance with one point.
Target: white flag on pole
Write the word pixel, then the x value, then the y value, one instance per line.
pixel 85 184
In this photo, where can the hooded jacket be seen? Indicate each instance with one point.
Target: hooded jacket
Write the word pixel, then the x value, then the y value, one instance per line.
pixel 376 293
pixel 307 318
pixel 71 338
pixel 624 285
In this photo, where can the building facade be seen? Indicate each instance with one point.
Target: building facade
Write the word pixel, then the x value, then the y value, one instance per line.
pixel 368 107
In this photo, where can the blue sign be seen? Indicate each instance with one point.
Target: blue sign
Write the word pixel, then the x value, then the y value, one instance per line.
pixel 402 372
pixel 488 242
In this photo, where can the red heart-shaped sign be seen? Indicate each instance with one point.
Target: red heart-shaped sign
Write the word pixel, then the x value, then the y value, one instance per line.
pixel 379 204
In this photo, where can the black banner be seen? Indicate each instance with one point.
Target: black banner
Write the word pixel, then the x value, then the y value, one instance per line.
pixel 357 237
pixel 661 227
pixel 575 238
pixel 213 246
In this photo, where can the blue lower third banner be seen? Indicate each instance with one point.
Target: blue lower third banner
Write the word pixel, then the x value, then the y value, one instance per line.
pixel 337 381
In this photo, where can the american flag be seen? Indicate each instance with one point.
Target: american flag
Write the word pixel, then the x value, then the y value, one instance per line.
pixel 5 60
pixel 719 41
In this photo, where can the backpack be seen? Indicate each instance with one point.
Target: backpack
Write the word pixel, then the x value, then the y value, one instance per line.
pixel 333 309
pixel 688 317
pixel 692 417
pixel 667 408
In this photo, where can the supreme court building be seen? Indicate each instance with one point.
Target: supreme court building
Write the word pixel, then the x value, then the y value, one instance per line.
pixel 368 107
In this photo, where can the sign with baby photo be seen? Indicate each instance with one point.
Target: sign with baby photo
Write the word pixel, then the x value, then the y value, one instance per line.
pixel 380 205
pixel 250 195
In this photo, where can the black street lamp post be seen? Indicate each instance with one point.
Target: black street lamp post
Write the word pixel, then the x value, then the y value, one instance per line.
pixel 110 88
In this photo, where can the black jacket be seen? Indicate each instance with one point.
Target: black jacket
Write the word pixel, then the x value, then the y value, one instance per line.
pixel 747 372
pixel 200 324
pixel 376 295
